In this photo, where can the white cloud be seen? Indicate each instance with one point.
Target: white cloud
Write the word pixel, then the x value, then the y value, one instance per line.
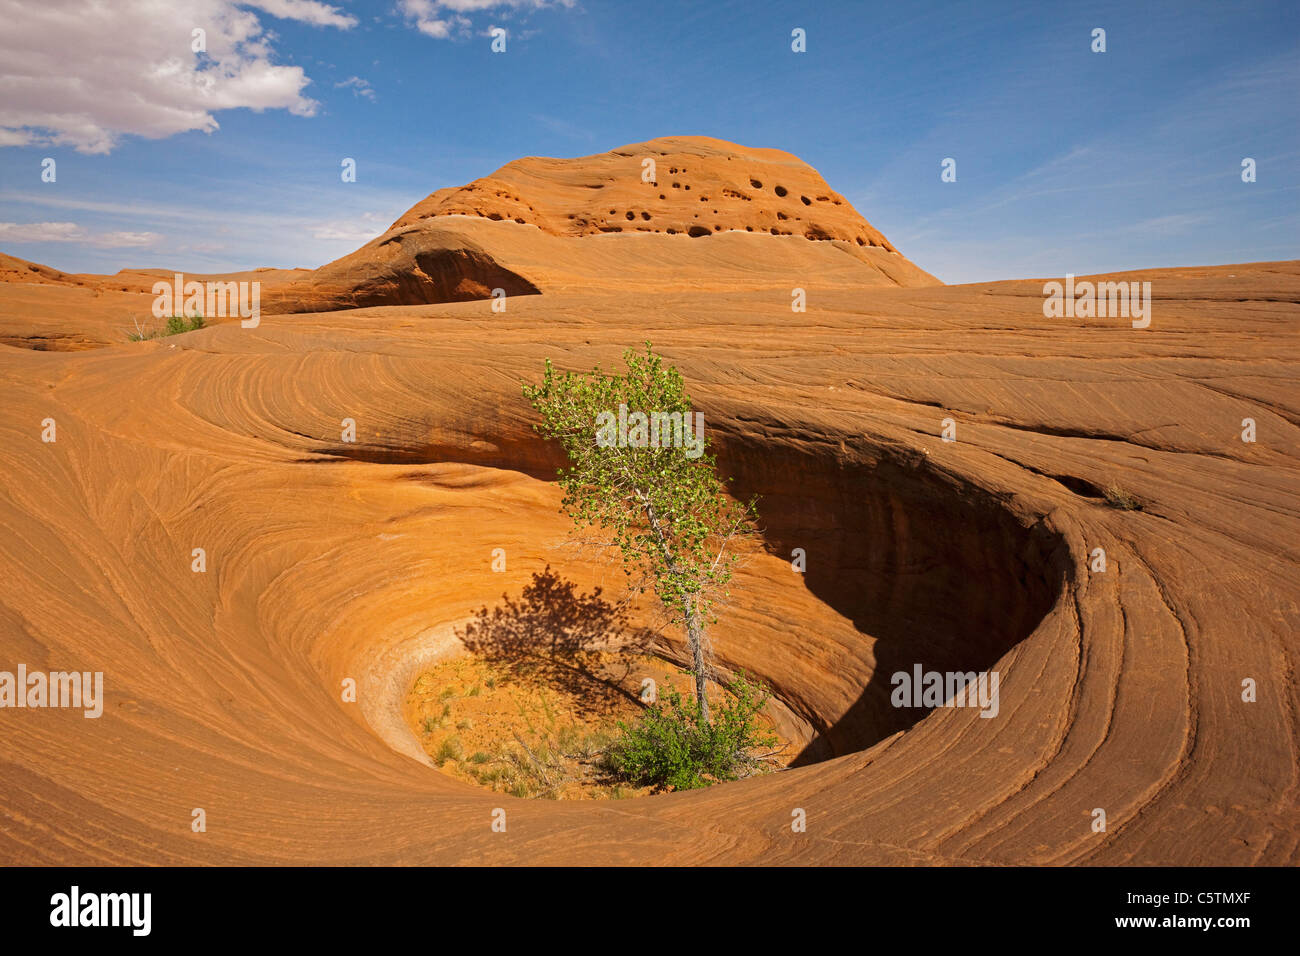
pixel 473 6
pixel 359 87
pixel 441 18
pixel 439 29
pixel 81 73
pixel 308 11
pixel 367 227
pixel 16 232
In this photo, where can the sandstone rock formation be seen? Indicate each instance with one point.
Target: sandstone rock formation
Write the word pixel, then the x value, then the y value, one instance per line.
pixel 330 560
pixel 662 192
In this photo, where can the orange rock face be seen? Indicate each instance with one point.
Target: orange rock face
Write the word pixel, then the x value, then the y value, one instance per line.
pixel 332 563
pixel 448 247
pixel 688 185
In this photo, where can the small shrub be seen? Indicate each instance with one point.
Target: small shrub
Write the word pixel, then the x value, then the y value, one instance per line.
pixel 449 749
pixel 672 747
pixel 1117 497
pixel 176 324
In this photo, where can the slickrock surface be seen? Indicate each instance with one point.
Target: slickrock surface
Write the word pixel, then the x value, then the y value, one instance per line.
pixel 329 560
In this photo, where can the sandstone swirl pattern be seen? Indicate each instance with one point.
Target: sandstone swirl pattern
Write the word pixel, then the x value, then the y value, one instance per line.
pixel 329 560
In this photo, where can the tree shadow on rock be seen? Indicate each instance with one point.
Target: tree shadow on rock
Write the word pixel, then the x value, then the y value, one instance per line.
pixel 553 634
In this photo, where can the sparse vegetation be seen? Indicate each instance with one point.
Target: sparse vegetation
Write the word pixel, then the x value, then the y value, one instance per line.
pixel 449 749
pixel 1117 497
pixel 554 758
pixel 528 737
pixel 176 324
pixel 674 747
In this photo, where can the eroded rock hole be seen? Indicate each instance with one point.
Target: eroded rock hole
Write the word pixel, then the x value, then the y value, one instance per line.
pixel 1081 486
pixel 930 572
pixel 915 568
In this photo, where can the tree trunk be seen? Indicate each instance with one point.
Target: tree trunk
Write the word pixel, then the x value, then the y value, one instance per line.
pixel 694 629
pixel 695 641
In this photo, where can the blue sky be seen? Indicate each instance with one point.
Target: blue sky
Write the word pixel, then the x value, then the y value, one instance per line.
pixel 1067 160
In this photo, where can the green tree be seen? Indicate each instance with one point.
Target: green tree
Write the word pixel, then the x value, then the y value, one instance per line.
pixel 652 484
